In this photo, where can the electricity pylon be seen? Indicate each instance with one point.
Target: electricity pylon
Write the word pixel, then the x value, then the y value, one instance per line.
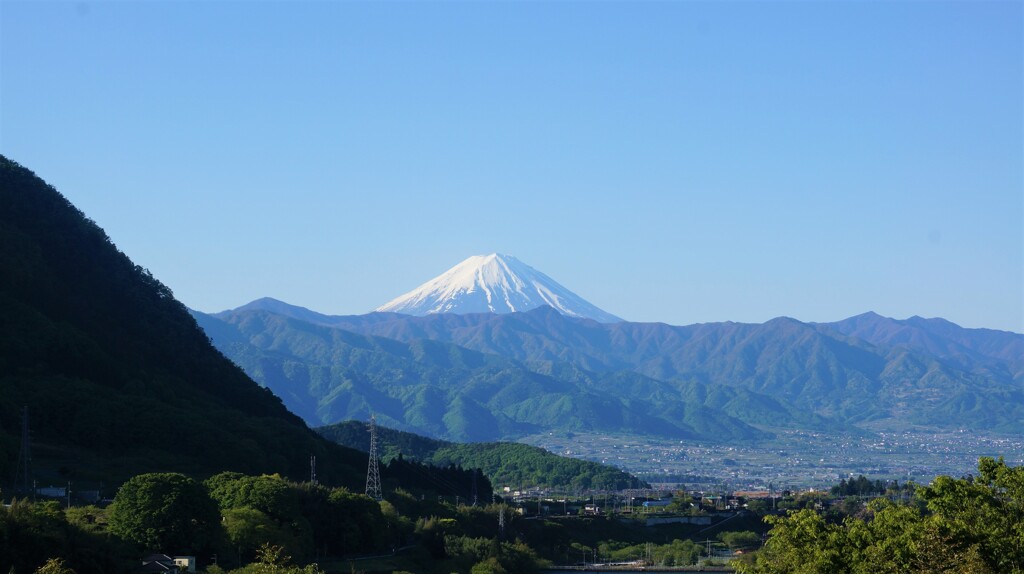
pixel 373 468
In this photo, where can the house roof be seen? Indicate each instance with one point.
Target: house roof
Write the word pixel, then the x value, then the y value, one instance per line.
pixel 155 563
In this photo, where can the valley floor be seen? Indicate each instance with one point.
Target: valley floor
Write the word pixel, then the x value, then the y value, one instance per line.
pixel 793 460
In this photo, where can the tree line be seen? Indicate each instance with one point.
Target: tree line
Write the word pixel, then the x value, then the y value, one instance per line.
pixel 232 521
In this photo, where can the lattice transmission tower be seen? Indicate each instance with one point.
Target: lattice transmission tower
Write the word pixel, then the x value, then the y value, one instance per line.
pixel 373 468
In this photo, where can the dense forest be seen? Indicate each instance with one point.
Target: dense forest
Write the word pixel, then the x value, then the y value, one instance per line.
pixel 226 520
pixel 116 375
pixel 505 464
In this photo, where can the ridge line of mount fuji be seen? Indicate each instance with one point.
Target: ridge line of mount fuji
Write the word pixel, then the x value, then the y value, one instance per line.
pixel 493 283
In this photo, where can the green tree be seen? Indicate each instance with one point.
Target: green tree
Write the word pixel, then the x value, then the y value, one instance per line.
pixel 271 559
pixel 54 566
pixel 166 512
pixel 803 543
pixel 968 525
pixel 746 539
pixel 986 511
pixel 248 529
pixel 269 494
pixel 488 566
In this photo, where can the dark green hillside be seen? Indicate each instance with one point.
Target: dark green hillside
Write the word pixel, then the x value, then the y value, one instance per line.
pixel 504 463
pixel 117 376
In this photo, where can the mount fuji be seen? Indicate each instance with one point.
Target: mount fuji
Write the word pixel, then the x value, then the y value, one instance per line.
pixel 493 283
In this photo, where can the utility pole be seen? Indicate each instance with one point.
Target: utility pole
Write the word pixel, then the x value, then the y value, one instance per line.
pixel 373 468
pixel 708 542
pixel 312 470
pixel 23 468
pixel 501 522
pixel 475 472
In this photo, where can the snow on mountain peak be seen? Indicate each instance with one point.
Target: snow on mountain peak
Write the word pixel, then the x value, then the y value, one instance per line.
pixel 494 283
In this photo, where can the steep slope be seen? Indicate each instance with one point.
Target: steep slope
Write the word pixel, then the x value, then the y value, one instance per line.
pixel 493 283
pixel 117 376
pixel 327 374
pixel 505 464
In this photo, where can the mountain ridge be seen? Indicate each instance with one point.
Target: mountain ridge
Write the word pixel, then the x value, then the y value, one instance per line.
pixel 327 374
pixel 795 365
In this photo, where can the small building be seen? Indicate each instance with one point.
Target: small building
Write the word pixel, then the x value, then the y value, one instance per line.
pixel 52 491
pixel 155 563
pixel 185 563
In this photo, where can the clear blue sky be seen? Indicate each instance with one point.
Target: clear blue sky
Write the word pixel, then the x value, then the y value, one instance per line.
pixel 669 161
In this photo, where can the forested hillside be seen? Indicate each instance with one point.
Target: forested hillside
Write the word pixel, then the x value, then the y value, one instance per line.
pixel 327 374
pixel 782 373
pixel 505 464
pixel 117 377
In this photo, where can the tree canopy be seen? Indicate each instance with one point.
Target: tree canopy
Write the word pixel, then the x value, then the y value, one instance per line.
pixel 973 524
pixel 166 512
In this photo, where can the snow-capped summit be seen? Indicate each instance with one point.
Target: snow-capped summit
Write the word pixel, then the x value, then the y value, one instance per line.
pixel 493 283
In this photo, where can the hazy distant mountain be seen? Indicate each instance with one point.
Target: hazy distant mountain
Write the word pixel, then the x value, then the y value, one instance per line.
pixel 972 349
pixel 327 374
pixel 493 283
pixel 758 373
pixel 281 308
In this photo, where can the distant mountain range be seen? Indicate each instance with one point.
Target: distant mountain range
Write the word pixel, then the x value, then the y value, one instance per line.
pixel 327 374
pixel 493 283
pixel 487 376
